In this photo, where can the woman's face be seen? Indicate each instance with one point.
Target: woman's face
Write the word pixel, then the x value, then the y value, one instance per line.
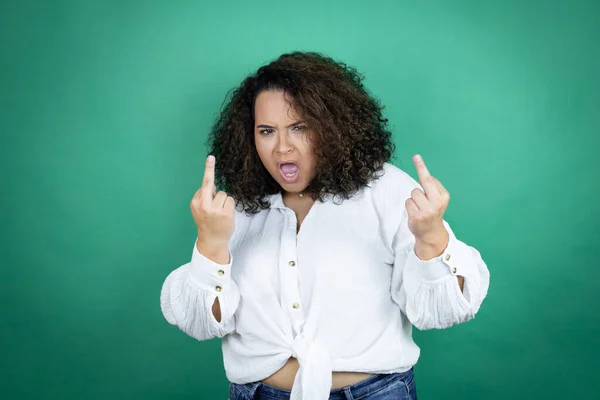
pixel 282 142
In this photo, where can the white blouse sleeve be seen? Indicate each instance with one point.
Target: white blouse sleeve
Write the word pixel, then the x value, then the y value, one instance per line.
pixel 189 292
pixel 427 291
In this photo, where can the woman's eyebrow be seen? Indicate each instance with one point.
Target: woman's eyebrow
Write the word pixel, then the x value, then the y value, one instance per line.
pixel 272 127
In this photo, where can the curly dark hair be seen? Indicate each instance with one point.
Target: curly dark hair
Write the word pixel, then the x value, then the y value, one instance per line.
pixel 350 139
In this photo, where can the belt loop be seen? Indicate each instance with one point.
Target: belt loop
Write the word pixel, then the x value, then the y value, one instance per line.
pixel 348 393
pixel 254 389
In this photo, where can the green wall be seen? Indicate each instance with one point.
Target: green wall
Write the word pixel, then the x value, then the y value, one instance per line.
pixel 104 111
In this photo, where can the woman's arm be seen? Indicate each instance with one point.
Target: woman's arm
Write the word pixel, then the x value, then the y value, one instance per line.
pixel 437 280
pixel 441 291
pixel 427 251
pixel 200 297
pixel 220 255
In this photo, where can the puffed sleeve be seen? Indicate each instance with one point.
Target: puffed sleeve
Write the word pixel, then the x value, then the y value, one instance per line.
pixel 189 292
pixel 427 291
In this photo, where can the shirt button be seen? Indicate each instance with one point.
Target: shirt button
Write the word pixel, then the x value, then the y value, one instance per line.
pixel 218 288
pixel 296 305
pixel 454 270
pixel 447 256
pixel 292 263
pixel 221 272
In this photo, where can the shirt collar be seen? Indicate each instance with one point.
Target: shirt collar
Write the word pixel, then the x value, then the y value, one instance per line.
pixel 275 200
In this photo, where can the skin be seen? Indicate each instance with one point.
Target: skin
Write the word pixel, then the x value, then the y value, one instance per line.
pixel 280 135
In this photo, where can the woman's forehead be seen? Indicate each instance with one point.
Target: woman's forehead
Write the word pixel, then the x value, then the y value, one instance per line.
pixel 275 106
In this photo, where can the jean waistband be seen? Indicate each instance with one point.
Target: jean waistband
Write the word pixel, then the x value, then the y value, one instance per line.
pixel 357 390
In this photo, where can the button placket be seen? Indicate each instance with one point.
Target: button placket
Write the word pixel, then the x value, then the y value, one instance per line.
pixel 288 267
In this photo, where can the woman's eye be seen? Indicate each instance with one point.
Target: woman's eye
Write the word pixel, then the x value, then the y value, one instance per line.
pixel 268 131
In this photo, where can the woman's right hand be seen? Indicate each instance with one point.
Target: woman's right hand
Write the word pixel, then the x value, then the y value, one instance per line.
pixel 214 213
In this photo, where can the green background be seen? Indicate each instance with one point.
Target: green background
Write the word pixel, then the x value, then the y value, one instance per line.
pixel 104 111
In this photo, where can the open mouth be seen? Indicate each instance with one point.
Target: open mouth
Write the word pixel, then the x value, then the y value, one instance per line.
pixel 289 172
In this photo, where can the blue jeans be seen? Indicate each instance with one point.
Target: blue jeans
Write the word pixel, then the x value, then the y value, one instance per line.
pixel 398 386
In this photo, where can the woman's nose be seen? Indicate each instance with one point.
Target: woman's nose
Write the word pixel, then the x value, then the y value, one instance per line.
pixel 284 145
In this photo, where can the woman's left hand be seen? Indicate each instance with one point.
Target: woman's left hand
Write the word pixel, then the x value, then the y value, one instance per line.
pixel 426 210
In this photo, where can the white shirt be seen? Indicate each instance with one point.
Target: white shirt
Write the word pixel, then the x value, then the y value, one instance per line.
pixel 342 294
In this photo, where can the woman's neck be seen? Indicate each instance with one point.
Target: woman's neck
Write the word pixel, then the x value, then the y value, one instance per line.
pixel 297 198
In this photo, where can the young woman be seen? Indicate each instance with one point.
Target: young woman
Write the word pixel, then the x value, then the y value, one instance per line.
pixel 319 256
